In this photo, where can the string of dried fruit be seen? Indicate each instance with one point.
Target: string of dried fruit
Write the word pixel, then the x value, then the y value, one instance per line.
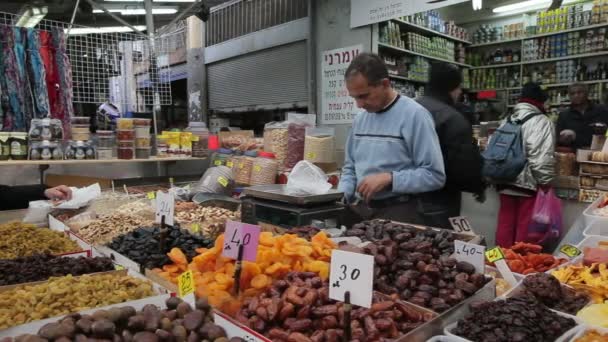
pixel 64 295
pixel 21 239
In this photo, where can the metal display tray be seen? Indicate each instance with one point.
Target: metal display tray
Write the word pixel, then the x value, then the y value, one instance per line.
pixel 276 192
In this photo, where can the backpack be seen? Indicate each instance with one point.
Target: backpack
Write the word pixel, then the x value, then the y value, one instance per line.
pixel 505 157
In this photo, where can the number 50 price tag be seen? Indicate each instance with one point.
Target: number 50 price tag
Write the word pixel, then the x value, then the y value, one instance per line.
pixel 352 272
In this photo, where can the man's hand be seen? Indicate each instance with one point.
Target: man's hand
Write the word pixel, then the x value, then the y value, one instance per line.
pixel 61 192
pixel 567 136
pixel 373 184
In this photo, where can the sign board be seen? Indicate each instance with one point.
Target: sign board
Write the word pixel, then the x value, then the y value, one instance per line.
pixel 471 253
pixel 460 224
pixel 337 106
pixel 165 206
pixel 352 272
pixel 237 234
pixel 365 12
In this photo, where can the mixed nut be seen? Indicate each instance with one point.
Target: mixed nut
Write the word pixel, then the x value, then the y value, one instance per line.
pixel 106 228
pixel 298 309
pixel 210 220
pixel 43 266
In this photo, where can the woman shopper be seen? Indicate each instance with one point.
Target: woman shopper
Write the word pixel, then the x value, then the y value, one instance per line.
pixel 518 196
pixel 460 155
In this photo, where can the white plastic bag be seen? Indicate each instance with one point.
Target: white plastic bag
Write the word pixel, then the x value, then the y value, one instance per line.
pixel 307 179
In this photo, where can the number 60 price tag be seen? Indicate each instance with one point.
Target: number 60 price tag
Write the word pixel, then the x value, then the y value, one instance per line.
pixel 352 272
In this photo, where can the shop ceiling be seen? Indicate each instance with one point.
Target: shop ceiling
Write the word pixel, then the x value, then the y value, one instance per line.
pixel 61 10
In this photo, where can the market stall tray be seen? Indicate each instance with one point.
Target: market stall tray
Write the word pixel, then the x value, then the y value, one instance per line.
pixel 276 192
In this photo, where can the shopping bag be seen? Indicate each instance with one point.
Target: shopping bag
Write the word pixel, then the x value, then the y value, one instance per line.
pixel 545 226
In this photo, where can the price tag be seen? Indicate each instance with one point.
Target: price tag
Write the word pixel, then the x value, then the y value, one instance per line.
pixel 460 224
pixel 233 329
pixel 171 181
pixel 196 228
pixel 217 163
pixel 222 181
pixel 471 253
pixel 570 251
pixel 118 267
pixel 257 168
pixel 230 164
pixel 237 234
pixel 353 272
pixel 165 206
pixel 185 287
pixel 311 155
pixel 151 195
pixel 496 256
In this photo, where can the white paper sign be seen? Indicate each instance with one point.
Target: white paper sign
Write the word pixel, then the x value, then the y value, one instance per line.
pixel 461 225
pixel 337 106
pixel 234 330
pixel 352 272
pixel 471 253
pixel 165 206
pixel 365 12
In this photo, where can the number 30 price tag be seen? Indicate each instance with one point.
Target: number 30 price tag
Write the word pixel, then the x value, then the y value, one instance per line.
pixel 351 272
pixel 237 234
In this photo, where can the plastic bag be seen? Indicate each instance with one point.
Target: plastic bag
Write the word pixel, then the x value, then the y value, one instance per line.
pixel 216 180
pixel 545 226
pixel 307 179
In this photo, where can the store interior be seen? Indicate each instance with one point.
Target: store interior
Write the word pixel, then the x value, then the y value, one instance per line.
pixel 304 171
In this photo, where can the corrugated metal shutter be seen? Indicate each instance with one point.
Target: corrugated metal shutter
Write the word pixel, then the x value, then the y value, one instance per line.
pixel 268 79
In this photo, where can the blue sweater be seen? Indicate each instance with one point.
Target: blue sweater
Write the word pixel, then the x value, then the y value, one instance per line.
pixel 401 140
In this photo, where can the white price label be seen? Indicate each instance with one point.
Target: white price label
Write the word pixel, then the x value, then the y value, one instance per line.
pixel 235 330
pixel 461 225
pixel 352 272
pixel 471 253
pixel 165 206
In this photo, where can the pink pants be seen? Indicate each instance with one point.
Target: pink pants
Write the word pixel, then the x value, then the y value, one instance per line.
pixel 513 219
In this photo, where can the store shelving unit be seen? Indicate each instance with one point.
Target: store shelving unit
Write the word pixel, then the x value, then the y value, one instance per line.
pixel 403 78
pixel 413 53
pixel 421 29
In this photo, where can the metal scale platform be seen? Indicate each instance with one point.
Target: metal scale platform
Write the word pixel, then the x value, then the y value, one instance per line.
pixel 271 205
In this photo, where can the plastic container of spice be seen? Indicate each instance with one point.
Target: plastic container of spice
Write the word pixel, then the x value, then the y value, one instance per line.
pixel 142 153
pixel 221 157
pixel 185 144
pixel 125 134
pixel 142 131
pixel 319 145
pixel 125 152
pixel 105 139
pixel 173 141
pixel 265 169
pixel 242 171
pixel 142 142
pixel 5 147
pixel 142 122
pixel 124 123
pixel 162 149
pixel 79 133
pixel 104 153
pixel 200 139
pixel 18 145
pixel 80 120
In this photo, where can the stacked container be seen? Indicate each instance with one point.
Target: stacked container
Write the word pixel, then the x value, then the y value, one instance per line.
pixel 243 167
pixel 142 138
pixel 105 144
pixel 125 138
pixel 265 169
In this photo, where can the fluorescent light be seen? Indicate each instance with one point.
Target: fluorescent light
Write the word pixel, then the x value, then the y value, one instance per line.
pixel 30 16
pixel 138 11
pixel 107 29
pixel 527 6
pixel 477 5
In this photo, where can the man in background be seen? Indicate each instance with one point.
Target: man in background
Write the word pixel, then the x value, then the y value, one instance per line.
pixel 574 125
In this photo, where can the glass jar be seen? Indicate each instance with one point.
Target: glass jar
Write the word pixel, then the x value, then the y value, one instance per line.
pixel 242 171
pixel 200 139
pixel 221 157
pixel 18 145
pixel 265 169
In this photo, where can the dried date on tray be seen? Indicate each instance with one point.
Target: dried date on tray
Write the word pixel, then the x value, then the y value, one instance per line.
pixel 546 289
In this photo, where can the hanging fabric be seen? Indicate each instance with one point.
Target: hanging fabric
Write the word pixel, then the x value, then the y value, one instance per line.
pixel 47 53
pixel 37 75
pixel 64 70
pixel 13 117
pixel 21 58
pixel 3 97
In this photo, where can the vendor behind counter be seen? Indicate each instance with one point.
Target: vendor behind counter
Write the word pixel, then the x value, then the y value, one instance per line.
pixel 574 125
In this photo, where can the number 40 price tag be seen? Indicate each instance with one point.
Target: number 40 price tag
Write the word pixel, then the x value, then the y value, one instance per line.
pixel 352 272
pixel 471 253
pixel 237 234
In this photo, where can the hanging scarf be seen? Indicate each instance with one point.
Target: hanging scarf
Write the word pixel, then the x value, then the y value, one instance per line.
pixel 37 75
pixel 14 115
pixel 3 98
pixel 47 53
pixel 26 92
pixel 64 71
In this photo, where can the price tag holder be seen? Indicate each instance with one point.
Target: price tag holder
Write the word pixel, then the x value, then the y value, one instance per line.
pixel 461 225
pixel 185 287
pixel 496 256
pixel 471 253
pixel 151 195
pixel 570 251
pixel 196 228
pixel 237 234
pixel 118 267
pixel 233 329
pixel 352 272
pixel 222 181
pixel 165 206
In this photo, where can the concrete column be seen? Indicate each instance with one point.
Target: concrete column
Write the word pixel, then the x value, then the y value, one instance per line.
pixel 197 78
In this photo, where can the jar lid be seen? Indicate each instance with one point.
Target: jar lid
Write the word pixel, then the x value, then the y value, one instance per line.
pixel 251 154
pixel 225 151
pixel 105 134
pixel 268 155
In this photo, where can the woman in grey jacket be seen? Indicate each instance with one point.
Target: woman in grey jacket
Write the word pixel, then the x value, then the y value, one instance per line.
pixel 517 198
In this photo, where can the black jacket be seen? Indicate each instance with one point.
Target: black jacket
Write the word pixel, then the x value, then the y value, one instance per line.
pixel 460 154
pixel 580 123
pixel 19 197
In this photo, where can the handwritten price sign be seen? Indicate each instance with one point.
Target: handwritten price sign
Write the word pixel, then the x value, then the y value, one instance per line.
pixel 238 234
pixel 494 254
pixel 185 287
pixel 165 206
pixel 460 224
pixel 352 272
pixel 570 251
pixel 471 253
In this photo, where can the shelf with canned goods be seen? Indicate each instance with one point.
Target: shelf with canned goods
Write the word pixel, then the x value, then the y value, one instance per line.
pixel 383 45
pixel 413 27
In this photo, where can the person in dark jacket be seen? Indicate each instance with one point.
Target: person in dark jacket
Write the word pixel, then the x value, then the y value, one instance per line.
pixel 460 154
pixel 19 197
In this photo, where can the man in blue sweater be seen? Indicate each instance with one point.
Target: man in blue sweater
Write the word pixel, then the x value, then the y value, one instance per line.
pixel 392 152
